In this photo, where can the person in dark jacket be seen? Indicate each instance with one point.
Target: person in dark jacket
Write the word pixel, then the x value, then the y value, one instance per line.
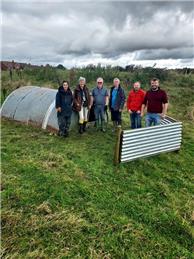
pixel 81 103
pixel 63 104
pixel 116 103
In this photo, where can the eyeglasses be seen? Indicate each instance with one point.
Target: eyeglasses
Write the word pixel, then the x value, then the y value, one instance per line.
pixel 100 82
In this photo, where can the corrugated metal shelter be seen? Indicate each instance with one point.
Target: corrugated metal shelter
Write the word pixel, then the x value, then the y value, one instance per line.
pixel 149 141
pixel 33 105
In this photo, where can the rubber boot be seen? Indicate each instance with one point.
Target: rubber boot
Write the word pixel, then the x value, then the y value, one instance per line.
pixel 84 126
pixel 66 133
pixel 81 128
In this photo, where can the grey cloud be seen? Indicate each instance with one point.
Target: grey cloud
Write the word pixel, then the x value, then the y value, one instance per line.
pixel 114 12
pixel 56 31
pixel 153 54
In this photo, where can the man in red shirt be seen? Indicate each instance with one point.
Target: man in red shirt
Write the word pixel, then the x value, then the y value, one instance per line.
pixel 156 101
pixel 134 103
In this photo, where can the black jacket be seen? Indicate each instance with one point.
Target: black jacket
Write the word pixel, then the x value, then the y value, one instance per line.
pixel 64 99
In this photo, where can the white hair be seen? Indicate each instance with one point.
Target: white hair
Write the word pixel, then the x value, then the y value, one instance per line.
pixel 116 79
pixel 82 79
pixel 100 78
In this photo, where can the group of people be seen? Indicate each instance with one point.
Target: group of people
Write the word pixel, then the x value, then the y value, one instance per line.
pixel 82 101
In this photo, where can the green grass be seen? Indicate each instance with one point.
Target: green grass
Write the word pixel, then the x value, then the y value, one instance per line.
pixel 64 198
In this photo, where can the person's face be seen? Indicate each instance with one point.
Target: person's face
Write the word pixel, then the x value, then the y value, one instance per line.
pixel 154 84
pixel 82 83
pixel 116 83
pixel 100 84
pixel 136 86
pixel 65 86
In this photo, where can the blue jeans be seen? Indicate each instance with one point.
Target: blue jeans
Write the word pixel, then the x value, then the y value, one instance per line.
pixel 99 112
pixel 135 120
pixel 152 118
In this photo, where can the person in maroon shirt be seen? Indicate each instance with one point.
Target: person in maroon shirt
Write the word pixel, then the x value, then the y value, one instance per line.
pixel 156 101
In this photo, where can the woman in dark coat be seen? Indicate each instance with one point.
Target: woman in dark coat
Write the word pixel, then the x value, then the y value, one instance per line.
pixel 81 103
pixel 64 100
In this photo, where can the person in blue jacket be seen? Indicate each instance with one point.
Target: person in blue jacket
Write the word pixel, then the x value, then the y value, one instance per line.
pixel 116 103
pixel 64 100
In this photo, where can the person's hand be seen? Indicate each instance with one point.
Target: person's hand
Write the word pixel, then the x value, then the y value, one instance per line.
pixel 120 110
pixel 59 109
pixel 129 111
pixel 138 112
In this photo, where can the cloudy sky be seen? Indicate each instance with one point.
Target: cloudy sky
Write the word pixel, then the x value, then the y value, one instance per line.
pixel 78 33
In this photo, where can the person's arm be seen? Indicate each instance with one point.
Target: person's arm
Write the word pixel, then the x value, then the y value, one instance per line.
pixel 106 98
pixel 144 104
pixel 128 103
pixel 57 103
pixel 122 100
pixel 91 101
pixel 106 102
pixel 142 99
pixel 165 105
pixel 142 109
pixel 110 99
pixel 71 98
pixel 164 110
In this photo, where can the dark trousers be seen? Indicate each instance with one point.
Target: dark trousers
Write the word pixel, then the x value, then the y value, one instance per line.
pixel 116 116
pixel 135 120
pixel 64 123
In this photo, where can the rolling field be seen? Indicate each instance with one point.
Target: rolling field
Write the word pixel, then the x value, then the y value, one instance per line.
pixel 64 198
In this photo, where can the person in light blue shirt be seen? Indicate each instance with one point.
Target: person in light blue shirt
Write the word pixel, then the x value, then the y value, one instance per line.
pixel 100 101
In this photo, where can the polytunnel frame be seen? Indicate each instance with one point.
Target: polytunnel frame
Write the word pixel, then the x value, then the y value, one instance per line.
pixel 34 105
pixel 19 94
pixel 9 97
pixel 47 115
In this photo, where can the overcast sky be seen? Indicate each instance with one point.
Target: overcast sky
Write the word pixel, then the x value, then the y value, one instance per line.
pixel 91 32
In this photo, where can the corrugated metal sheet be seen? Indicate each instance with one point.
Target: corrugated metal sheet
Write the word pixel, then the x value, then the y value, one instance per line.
pixel 150 141
pixel 35 105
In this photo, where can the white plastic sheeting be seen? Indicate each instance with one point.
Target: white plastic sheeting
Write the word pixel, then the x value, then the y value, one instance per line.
pixel 33 105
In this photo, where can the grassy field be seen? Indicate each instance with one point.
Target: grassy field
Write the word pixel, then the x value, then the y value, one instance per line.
pixel 64 198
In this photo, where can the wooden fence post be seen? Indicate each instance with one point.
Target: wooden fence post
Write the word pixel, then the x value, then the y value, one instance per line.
pixel 117 147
